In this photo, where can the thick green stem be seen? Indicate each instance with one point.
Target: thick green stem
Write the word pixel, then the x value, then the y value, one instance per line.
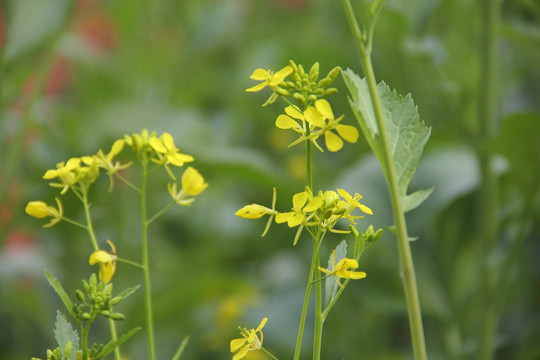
pixel 146 268
pixel 488 199
pixel 407 272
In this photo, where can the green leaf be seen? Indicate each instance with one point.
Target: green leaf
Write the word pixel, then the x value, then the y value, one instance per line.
pixel 331 286
pixel 407 135
pixel 124 294
pixel 61 292
pixel 64 334
pixel 111 345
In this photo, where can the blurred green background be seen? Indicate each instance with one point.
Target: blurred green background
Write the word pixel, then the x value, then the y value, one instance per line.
pixel 76 75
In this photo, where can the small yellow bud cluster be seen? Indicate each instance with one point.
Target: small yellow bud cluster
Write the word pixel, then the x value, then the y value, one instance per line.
pixel 96 299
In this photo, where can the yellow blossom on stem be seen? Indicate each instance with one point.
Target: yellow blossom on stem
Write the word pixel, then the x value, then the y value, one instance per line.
pixel 106 261
pixel 168 153
pixel 66 174
pixel 342 269
pixel 268 78
pixel 299 122
pixel 251 340
pixel 40 210
pixel 192 185
pixel 324 119
pixel 106 161
pixel 256 211
pixel 299 216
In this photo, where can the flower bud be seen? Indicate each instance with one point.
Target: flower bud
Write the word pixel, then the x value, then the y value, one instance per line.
pixel 80 296
pixel 329 92
pixel 67 350
pixel 299 97
pixel 282 91
pixel 118 316
pixel 116 300
pixel 314 72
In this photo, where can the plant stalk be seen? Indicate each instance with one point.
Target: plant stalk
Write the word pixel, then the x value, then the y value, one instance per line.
pixel 146 267
pixel 407 272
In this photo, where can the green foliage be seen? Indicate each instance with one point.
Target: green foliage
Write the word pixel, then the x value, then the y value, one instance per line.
pixel 61 293
pixel 407 135
pixel 66 336
pixel 113 344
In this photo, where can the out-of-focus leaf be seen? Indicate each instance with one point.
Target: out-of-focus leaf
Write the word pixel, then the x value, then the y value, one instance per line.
pixel 407 135
pixel 60 291
pixel 519 142
pixel 32 21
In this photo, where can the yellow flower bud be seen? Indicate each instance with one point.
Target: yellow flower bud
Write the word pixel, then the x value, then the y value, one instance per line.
pixel 40 210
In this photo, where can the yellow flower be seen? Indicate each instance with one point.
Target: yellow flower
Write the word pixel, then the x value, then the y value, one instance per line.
pixel 107 262
pixel 106 162
pixel 341 270
pixel 256 211
pixel 139 142
pixel 354 202
pixel 299 215
pixel 268 78
pixel 323 118
pixel 300 122
pixel 251 340
pixel 66 173
pixel 168 153
pixel 192 185
pixel 40 210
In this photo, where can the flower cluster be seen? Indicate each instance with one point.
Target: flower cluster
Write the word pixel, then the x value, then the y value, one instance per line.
pixel 106 261
pixel 79 173
pixel 341 269
pixel 323 210
pixel 316 118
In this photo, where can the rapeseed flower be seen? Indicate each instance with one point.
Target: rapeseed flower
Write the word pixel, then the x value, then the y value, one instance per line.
pixel 342 269
pixel 66 174
pixel 106 261
pixel 270 79
pixel 40 210
pixel 251 340
pixel 168 153
pixel 256 211
pixel 192 185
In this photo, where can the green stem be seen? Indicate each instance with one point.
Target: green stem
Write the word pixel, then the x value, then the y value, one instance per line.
pixel 93 238
pixel 488 206
pixel 127 182
pixel 84 339
pixel 269 353
pixel 161 212
pixel 406 263
pixel 146 267
pixel 306 301
pixel 308 164
pixel 319 320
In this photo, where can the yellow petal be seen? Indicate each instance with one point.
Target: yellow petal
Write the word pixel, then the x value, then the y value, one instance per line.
pixel 100 256
pixel 285 122
pixel 192 182
pixel 333 142
pixel 347 132
pixel 236 344
pixel 314 117
pixel 314 204
pixel 157 145
pixel 179 159
pixel 116 148
pixel 37 209
pixel 253 211
pixel 281 75
pixel 299 200
pixel 346 263
pixel 295 220
pixel 261 325
pixel 365 209
pixel 257 87
pixel 294 112
pixel 242 353
pixel 50 174
pixel 324 108
pixel 283 217
pixel 260 74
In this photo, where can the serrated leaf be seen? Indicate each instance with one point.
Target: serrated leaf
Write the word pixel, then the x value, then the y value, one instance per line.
pixel 55 284
pixel 407 135
pixel 64 333
pixel 111 345
pixel 331 286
